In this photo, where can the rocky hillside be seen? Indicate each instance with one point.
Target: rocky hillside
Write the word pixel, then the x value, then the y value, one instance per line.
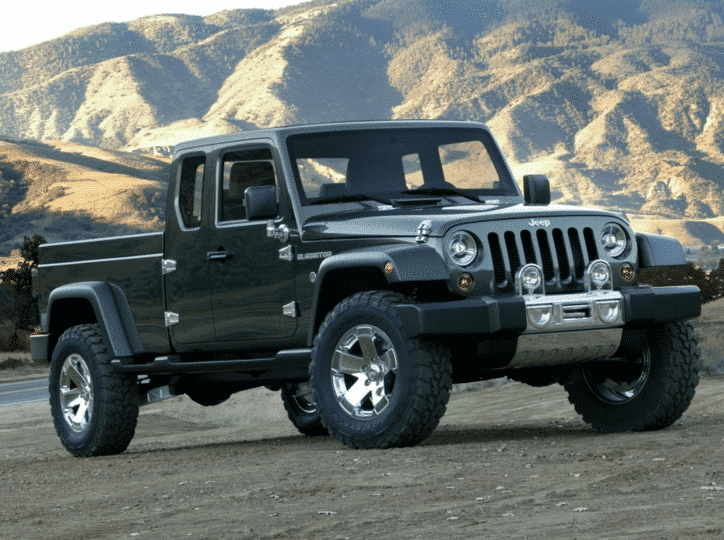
pixel 621 102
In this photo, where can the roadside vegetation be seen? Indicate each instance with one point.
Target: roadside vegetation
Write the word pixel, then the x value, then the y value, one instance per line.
pixel 19 314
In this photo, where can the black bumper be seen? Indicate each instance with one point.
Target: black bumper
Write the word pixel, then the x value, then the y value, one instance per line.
pixel 642 306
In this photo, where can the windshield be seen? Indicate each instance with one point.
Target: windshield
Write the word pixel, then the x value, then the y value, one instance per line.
pixel 399 166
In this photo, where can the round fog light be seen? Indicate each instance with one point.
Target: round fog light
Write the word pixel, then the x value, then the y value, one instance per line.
pixel 540 316
pixel 608 312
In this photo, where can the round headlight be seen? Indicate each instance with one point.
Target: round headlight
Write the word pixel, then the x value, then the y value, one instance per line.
pixel 613 240
pixel 462 248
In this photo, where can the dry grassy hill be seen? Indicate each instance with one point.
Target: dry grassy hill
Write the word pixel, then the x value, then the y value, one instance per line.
pixel 66 190
pixel 621 102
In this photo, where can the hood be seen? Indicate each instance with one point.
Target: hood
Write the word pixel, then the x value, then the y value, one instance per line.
pixel 405 222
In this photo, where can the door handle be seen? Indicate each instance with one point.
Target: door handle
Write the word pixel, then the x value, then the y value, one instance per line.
pixel 219 256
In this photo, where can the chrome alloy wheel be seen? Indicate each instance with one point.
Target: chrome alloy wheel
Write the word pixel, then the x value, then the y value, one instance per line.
pixel 364 369
pixel 623 388
pixel 76 393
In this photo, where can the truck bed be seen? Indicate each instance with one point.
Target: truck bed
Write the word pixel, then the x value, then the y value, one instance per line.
pixel 133 263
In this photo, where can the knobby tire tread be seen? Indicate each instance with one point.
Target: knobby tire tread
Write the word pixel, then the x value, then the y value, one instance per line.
pixel 116 416
pixel 431 393
pixel 675 390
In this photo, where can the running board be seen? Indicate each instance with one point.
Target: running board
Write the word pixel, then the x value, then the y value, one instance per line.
pixel 294 359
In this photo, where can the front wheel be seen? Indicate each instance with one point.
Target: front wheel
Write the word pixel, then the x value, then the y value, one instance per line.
pixel 374 387
pixel 648 392
pixel 94 407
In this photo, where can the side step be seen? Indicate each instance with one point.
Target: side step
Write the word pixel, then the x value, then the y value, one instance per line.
pixel 294 359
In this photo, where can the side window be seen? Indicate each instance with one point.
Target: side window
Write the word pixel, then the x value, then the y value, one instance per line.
pixel 242 170
pixel 191 185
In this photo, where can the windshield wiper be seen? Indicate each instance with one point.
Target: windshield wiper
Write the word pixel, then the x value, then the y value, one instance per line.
pixel 350 198
pixel 440 191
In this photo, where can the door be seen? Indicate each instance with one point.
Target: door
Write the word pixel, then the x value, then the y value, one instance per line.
pixel 250 283
pixel 188 298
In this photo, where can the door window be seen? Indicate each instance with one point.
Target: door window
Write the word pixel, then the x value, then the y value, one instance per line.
pixel 242 170
pixel 190 191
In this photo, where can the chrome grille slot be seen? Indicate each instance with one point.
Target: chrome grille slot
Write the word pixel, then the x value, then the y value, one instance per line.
pixel 562 254
pixel 576 311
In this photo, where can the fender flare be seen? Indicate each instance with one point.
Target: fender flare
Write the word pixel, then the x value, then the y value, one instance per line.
pixel 410 263
pixel 657 250
pixel 111 311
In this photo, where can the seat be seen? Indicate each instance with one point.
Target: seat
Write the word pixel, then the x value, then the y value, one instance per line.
pixel 332 190
pixel 375 174
pixel 243 175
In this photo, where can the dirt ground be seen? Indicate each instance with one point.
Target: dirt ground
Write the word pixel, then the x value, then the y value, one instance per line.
pixel 508 461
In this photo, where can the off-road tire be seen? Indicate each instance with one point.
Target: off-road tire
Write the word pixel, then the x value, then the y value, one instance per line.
pixel 94 408
pixel 302 409
pixel 411 398
pixel 654 394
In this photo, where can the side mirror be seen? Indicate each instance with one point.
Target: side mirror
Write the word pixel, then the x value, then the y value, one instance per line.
pixel 261 202
pixel 536 189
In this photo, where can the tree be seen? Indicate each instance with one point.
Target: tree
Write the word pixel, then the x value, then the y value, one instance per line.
pixel 19 282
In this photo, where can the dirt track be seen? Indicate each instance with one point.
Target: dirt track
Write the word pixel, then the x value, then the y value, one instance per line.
pixel 507 462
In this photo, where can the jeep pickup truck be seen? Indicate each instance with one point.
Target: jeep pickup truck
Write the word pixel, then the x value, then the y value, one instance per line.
pixel 361 269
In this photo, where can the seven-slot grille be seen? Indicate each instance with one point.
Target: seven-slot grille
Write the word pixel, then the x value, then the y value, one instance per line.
pixel 562 254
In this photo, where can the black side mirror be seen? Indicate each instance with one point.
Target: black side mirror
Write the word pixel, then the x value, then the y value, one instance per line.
pixel 536 189
pixel 261 202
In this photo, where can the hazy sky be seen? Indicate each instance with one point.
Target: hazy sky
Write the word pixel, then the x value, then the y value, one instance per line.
pixel 27 22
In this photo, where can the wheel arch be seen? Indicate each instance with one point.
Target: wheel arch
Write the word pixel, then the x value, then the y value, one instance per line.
pixel 382 268
pixel 94 302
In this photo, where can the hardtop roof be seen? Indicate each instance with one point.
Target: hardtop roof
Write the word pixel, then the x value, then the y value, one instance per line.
pixel 281 132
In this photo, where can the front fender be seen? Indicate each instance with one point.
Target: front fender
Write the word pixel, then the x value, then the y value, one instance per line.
pixel 409 263
pixel 657 250
pixel 111 309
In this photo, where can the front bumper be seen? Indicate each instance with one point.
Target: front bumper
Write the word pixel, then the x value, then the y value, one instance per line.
pixel 485 317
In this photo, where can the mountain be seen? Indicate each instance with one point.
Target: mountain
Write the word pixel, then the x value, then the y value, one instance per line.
pixel 621 103
pixel 69 191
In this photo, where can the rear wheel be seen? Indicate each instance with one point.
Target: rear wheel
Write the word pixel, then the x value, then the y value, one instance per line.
pixel 94 408
pixel 649 392
pixel 376 388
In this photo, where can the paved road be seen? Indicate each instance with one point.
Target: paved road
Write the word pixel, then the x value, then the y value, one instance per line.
pixel 23 392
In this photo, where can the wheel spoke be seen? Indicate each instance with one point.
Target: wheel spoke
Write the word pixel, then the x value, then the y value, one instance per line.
pixel 75 375
pixel 365 338
pixel 69 393
pixel 357 393
pixel 345 362
pixel 379 399
pixel 389 359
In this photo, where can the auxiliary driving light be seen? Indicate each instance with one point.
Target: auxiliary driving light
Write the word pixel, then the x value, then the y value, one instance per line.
pixel 530 278
pixel 609 311
pixel 598 275
pixel 540 316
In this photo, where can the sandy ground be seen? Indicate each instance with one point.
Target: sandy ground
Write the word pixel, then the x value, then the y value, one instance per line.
pixel 509 461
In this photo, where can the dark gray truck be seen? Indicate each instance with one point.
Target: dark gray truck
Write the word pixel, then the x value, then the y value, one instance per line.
pixel 361 269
